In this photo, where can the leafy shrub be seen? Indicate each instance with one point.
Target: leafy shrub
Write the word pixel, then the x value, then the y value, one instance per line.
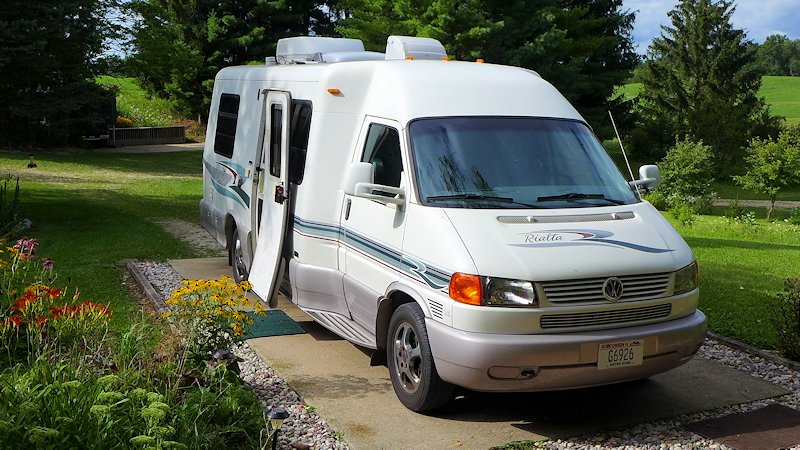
pixel 686 176
pixel 683 213
pixel 793 217
pixel 736 213
pixel 658 200
pixel 206 313
pixel 787 319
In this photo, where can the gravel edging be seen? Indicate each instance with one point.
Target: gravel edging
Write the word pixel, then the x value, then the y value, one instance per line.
pixel 305 429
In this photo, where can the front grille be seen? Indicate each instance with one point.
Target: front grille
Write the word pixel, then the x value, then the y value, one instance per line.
pixel 605 318
pixel 590 290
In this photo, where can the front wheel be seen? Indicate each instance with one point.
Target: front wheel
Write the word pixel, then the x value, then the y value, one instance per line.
pixel 238 264
pixel 408 353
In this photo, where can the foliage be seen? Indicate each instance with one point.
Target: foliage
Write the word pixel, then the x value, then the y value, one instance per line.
pixel 683 213
pixel 48 51
pixel 701 73
pixel 773 165
pixel 70 386
pixel 583 48
pixel 181 45
pixel 780 56
pixel 9 209
pixel 687 174
pixel 786 319
pixel 737 213
pixel 794 216
pixel 207 315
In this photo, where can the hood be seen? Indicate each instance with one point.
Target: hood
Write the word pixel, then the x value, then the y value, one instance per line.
pixel 545 245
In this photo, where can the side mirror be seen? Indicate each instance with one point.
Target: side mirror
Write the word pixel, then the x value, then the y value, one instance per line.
pixel 358 183
pixel 649 178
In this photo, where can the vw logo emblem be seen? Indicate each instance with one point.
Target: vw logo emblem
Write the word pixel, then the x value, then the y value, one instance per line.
pixel 612 289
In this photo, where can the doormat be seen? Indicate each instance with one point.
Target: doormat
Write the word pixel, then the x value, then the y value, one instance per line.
pixel 771 427
pixel 274 323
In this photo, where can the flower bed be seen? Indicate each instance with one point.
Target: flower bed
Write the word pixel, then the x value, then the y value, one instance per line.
pixel 67 383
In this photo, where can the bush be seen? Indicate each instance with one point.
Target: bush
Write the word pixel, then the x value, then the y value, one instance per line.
pixel 787 319
pixel 658 200
pixel 686 176
pixel 737 213
pixel 683 213
pixel 793 217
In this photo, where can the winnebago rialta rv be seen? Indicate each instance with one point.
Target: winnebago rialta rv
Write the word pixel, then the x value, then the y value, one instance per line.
pixel 459 218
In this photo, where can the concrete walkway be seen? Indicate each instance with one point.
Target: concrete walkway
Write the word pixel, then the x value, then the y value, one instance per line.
pixel 357 400
pixel 156 148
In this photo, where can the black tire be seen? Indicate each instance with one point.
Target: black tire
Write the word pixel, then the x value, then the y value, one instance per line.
pixel 411 366
pixel 236 256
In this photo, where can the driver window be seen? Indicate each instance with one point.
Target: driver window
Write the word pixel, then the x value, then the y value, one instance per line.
pixel 382 150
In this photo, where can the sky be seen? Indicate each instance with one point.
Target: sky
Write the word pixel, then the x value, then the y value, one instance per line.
pixel 759 18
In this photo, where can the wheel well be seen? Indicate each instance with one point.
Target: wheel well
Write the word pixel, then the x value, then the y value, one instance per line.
pixel 230 226
pixel 386 308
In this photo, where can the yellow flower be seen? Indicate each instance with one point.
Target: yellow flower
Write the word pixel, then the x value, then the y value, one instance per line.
pixel 237 329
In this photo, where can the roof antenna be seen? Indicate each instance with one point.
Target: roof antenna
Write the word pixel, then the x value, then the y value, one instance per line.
pixel 624 155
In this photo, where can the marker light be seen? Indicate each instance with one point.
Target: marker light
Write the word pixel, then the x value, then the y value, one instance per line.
pixel 465 288
pixel 446 58
pixel 479 60
pixel 334 91
pixel 410 57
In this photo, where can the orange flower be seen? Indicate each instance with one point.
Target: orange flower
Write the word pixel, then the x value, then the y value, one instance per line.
pixel 41 321
pixel 15 320
pixel 53 293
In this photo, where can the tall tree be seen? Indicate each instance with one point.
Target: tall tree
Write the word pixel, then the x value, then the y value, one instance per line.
pixel 780 56
pixel 48 51
pixel 701 82
pixel 582 46
pixel 180 45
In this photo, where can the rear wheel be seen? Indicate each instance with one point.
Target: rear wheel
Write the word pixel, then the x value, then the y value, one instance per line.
pixel 236 251
pixel 408 353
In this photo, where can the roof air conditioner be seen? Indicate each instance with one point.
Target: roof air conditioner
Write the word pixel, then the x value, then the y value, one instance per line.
pixel 403 47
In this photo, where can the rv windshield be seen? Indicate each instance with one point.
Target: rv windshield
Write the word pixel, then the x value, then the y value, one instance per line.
pixel 504 162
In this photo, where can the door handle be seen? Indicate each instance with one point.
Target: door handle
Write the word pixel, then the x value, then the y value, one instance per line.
pixel 280 194
pixel 347 209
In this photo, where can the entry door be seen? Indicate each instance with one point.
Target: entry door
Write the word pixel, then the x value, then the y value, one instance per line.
pixel 373 231
pixel 272 204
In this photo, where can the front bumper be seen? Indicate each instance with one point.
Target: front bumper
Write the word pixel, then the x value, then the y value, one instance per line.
pixel 502 362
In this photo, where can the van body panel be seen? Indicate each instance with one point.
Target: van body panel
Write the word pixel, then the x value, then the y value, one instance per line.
pixel 558 361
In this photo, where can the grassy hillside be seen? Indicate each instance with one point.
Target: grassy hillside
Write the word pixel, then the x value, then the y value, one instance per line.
pixel 134 103
pixel 782 95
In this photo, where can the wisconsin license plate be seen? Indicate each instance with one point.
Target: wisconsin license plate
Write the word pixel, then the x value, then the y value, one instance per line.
pixel 614 355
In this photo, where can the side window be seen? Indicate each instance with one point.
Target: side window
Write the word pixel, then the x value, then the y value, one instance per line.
pixel 275 136
pixel 382 150
pixel 298 145
pixel 227 117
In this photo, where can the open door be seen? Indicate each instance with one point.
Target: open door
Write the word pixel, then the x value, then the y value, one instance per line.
pixel 270 214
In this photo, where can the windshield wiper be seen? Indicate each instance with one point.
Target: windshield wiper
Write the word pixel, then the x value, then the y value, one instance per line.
pixel 578 196
pixel 435 198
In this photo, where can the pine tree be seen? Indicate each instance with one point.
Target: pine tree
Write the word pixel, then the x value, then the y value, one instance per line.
pixel 583 47
pixel 701 82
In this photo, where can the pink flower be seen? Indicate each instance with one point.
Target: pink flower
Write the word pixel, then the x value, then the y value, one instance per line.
pixel 48 264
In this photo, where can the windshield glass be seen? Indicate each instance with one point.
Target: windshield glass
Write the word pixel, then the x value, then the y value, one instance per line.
pixel 504 162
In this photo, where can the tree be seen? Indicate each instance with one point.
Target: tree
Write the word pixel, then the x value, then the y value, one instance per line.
pixel 772 165
pixel 780 56
pixel 583 47
pixel 48 52
pixel 701 81
pixel 687 174
pixel 181 45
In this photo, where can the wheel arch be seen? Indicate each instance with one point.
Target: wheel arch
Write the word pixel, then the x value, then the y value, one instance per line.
pixel 396 295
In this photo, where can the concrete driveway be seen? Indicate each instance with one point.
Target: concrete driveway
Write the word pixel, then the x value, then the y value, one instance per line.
pixel 356 399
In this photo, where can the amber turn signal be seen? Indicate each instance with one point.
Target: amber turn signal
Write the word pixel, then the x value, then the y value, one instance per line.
pixel 465 288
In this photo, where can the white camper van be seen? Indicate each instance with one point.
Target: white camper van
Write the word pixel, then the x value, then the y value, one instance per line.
pixel 460 218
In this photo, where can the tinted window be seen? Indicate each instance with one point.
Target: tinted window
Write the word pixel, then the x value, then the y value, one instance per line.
pixel 382 150
pixel 275 137
pixel 227 117
pixel 300 128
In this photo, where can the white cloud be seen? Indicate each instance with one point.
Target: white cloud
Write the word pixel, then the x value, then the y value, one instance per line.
pixel 760 18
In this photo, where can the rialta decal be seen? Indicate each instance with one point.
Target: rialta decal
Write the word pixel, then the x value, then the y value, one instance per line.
pixel 227 179
pixel 559 238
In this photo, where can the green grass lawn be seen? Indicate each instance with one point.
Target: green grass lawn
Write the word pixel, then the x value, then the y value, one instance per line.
pixel 781 93
pixel 133 102
pixel 741 270
pixel 90 212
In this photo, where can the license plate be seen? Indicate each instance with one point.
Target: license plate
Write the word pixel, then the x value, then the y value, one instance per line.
pixel 614 355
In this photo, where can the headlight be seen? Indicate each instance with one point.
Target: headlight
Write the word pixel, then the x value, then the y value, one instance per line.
pixel 503 292
pixel 687 279
pixel 490 291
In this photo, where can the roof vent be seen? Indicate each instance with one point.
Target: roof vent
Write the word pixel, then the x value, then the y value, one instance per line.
pixel 308 49
pixel 406 47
